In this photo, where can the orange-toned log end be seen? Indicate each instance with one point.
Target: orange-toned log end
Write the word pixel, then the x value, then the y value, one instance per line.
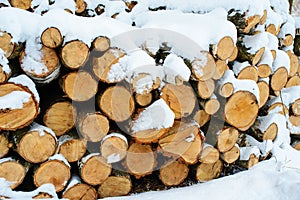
pixel 227 138
pixel 80 191
pixel 60 117
pixel 5 145
pixel 279 79
pixel 206 172
pixel 101 43
pixel 231 156
pixel 248 73
pixel 201 117
pixel 13 172
pixel 94 127
pixel 51 37
pixel 149 136
pixel 143 99
pixel 140 160
pixel 206 88
pixel 115 186
pixel 293 81
pixel 117 103
pixel 204 66
pixel 264 93
pixel 14 117
pixel 5 44
pixel 241 109
pixel 264 70
pixel 24 4
pixel 42 195
pixel 55 172
pixel 74 54
pixel 114 147
pixel 225 48
pixel 174 173
pixel 75 86
pixel 73 150
pixel 95 170
pixel 44 146
pixel 180 98
pixel 209 155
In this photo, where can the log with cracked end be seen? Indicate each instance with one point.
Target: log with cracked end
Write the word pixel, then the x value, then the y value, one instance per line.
pixel 51 37
pixel 226 138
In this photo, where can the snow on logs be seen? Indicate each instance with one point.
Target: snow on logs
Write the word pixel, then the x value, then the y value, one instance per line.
pixel 152 107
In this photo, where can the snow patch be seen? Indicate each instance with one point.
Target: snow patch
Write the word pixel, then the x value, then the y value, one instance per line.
pixel 41 129
pixel 246 152
pixel 60 157
pixel 4 62
pixel 14 100
pixel 113 158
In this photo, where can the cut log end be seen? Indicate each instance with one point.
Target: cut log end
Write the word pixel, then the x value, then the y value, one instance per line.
pixel 258 55
pixel 13 172
pixel 206 88
pixel 206 172
pixel 5 44
pixel 143 99
pixel 201 117
pixel 73 149
pixel 225 48
pixel 80 191
pixel 226 90
pixel 204 67
pixel 51 37
pixel 74 54
pixel 114 148
pixel 174 173
pixel 101 44
pixel 149 136
pixel 5 145
pixel 279 79
pixel 24 4
pixel 227 138
pixel 231 156
pixel 264 71
pixel 209 155
pixel 248 73
pixel 264 92
pixel 115 186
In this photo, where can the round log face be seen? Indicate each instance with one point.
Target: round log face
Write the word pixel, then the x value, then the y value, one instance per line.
pixel 117 103
pixel 279 79
pixel 74 54
pixel 113 149
pixel 5 43
pixel 54 172
pixel 73 150
pixel 12 119
pixel 13 172
pixel 36 147
pixel 241 109
pixel 115 186
pixel 24 4
pixel 264 92
pixel 173 173
pixel 206 172
pixel 94 127
pixel 51 37
pixel 225 48
pixel 81 191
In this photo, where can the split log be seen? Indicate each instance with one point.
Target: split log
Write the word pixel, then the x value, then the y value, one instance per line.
pixel 241 110
pixel 74 54
pixel 60 117
pixel 115 186
pixel 75 86
pixel 13 171
pixel 204 67
pixel 103 64
pixel 232 155
pixel 44 70
pixel 209 154
pixel 180 98
pixel 293 81
pixel 140 160
pixel 117 103
pixel 94 126
pixel 18 107
pixel 56 171
pixel 201 117
pixel 5 44
pixel 101 43
pixel 224 49
pixel 71 148
pixel 206 172
pixel 41 138
pixel 221 67
pixel 5 145
pixel 226 138
pixel 174 173
pixel 51 37
pixel 264 92
pixel 206 88
pixel 114 147
pixel 94 169
pixel 184 140
pixel 78 190
pixel 143 99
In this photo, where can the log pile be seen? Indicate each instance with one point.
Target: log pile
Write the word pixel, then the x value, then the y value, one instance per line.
pixel 93 119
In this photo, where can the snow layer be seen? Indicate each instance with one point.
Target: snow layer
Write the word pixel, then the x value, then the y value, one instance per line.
pixel 14 100
pixel 60 157
pixel 119 135
pixel 246 152
pixel 282 60
pixel 255 42
pixel 41 129
pixel 237 67
pixel 267 58
pixel 4 63
pixel 156 116
pixel 73 181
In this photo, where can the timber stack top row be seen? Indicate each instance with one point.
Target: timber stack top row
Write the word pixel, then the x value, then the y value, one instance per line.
pixel 82 117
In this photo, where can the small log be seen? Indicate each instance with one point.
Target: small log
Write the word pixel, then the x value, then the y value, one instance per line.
pixel 227 138
pixel 114 147
pixel 181 99
pixel 60 117
pixel 184 140
pixel 224 49
pixel 278 107
pixel 117 103
pixel 24 4
pixel 294 120
pixel 5 44
pixel 46 73
pixel 296 107
pixel 101 43
pixel 245 71
pixel 74 54
pixel 56 171
pixel 206 88
pixel 204 67
pixel 201 117
pixel 241 110
pixel 12 171
pixel 279 79
pixel 143 99
pixel 94 169
pixel 78 190
pixel 221 68
pixel 226 89
pixel 210 106
pixel 294 63
pixel 140 160
pixel 94 126
pixel 232 155
pixel 41 138
pixel 102 65
pixel 81 5
pixel 264 92
pixel 75 84
pixel 174 173
pixel 271 28
pixel 51 37
pixel 206 172
pixel 18 106
pixel 71 148
pixel 209 154
pixel 115 186
pixel 5 145
pixel 263 18
pixel 293 81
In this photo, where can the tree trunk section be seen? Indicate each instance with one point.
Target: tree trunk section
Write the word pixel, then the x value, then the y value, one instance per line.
pixel 115 186
pixel 51 37
pixel 206 172
pixel 204 67
pixel 174 173
pixel 101 43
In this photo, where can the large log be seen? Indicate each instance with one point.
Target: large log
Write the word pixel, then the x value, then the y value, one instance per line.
pixel 173 173
pixel 115 186
pixel 206 172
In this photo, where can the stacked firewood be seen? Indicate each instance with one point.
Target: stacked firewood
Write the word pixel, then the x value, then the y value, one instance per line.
pixel 75 115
